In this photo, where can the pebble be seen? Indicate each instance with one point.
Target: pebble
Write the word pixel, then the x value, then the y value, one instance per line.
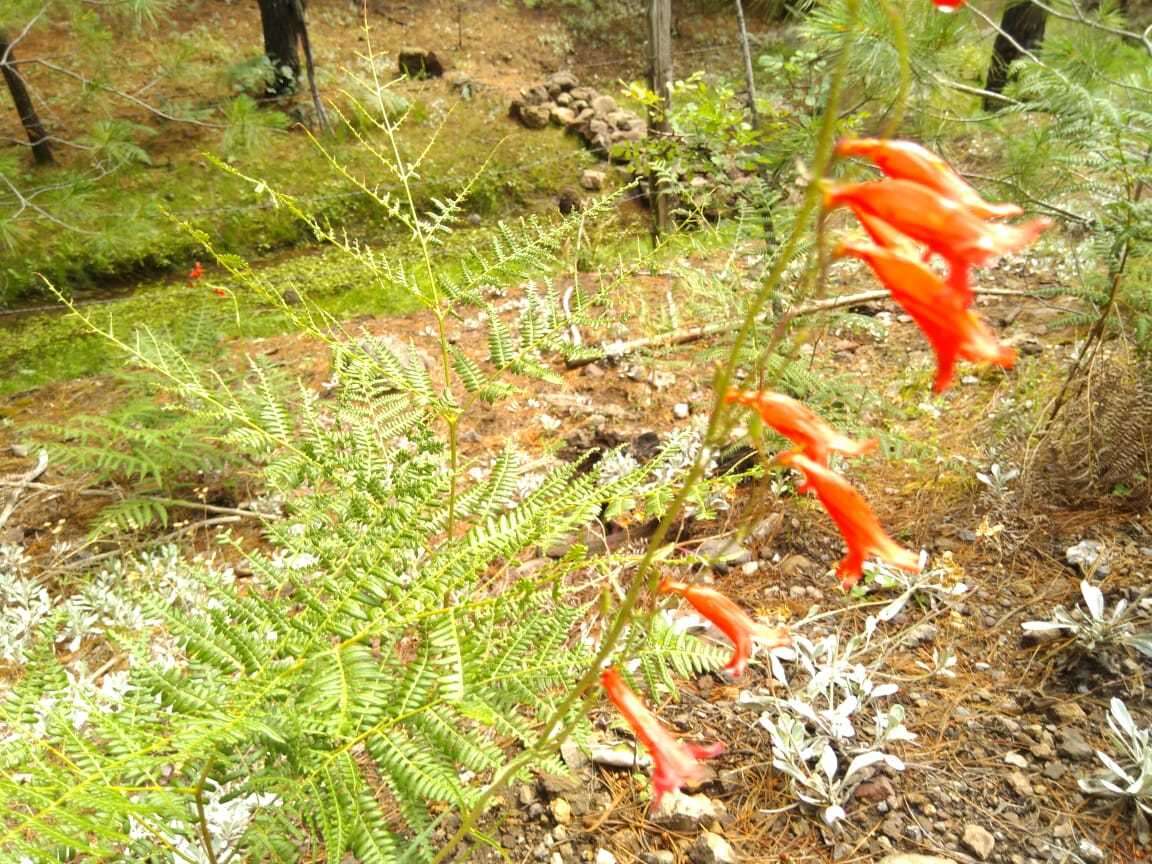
pixel 1020 784
pixel 914 858
pixel 603 856
pixel 1016 759
pixel 1055 770
pixel 1071 743
pixel 680 812
pixel 660 856
pixel 711 848
pixel 681 410
pixel 1067 712
pixel 1089 852
pixel 561 812
pixel 978 841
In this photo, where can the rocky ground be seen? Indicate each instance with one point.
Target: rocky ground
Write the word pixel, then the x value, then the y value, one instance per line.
pixel 1004 732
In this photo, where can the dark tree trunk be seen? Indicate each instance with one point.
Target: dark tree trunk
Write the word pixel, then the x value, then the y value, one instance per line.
pixel 37 137
pixel 1023 30
pixel 283 25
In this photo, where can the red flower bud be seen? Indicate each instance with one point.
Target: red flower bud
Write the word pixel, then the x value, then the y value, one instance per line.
pixel 674 761
pixel 857 523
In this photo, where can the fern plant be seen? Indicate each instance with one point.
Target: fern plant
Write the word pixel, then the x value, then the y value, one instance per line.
pixel 387 657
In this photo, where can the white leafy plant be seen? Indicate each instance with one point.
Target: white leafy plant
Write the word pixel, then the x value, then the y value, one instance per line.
pixel 1130 770
pixel 933 584
pixel 835 725
pixel 1098 631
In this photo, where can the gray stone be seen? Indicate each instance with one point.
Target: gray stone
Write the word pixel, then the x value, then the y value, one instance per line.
pixel 660 856
pixel 1089 556
pixel 564 99
pixel 593 180
pixel 1055 770
pixel 1071 743
pixel 561 116
pixel 914 858
pixel 603 105
pixel 1089 852
pixel 562 81
pixel 619 757
pixel 711 848
pixel 978 841
pixel 680 812
pixel 1014 758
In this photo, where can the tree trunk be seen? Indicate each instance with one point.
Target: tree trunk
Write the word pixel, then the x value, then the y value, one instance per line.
pixel 37 137
pixel 283 26
pixel 1022 26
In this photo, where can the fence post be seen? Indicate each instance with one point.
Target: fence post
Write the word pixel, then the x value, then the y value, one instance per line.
pixel 660 56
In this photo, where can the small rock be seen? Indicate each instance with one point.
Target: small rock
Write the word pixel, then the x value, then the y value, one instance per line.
pixel 562 82
pixel 531 116
pixel 913 858
pixel 573 755
pixel 660 856
pixel 1071 743
pixel 978 841
pixel 526 794
pixel 1067 713
pixel 559 785
pixel 536 811
pixel 893 826
pixel 1020 784
pixel 681 410
pixel 1055 770
pixel 619 757
pixel 723 550
pixel 918 635
pixel 561 811
pixel 711 848
pixel 877 789
pixel 561 116
pixel 593 180
pixel 1089 852
pixel 795 566
pixel 603 856
pixel 1014 758
pixel 680 812
pixel 1088 555
pixel 557 858
pixel 603 105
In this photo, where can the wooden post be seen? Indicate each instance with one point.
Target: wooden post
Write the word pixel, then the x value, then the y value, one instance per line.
pixel 749 80
pixel 660 58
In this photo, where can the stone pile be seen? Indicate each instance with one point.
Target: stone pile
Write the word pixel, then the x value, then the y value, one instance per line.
pixel 582 111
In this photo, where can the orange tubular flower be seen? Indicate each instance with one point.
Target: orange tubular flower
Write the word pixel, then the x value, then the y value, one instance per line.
pixel 731 620
pixel 904 160
pixel 800 424
pixel 674 761
pixel 942 224
pixel 857 523
pixel 938 310
pixel 196 272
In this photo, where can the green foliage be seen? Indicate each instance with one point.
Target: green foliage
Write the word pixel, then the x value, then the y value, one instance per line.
pixel 1094 93
pixel 249 126
pixel 387 654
